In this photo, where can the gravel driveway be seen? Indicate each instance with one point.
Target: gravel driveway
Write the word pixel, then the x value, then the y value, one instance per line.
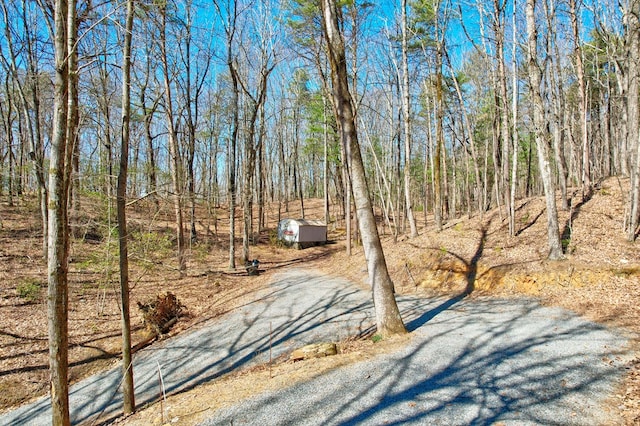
pixel 471 361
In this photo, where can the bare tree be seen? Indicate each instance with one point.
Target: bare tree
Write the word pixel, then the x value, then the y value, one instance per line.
pixel 65 36
pixel 406 110
pixel 148 112
pixel 632 14
pixel 470 136
pixel 541 137
pixel 582 101
pixel 192 83
pixel 514 116
pixel 175 162
pixel 440 152
pixel 8 116
pixel 229 15
pixel 502 110
pixel 36 145
pixel 559 105
pixel 127 364
pixel 388 318
pixel 263 48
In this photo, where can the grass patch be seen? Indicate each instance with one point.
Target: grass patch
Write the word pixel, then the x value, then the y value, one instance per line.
pixel 29 290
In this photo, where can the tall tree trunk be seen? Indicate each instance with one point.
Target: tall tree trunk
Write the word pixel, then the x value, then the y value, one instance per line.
pixel 582 102
pixel 230 18
pixel 622 82
pixel 605 124
pixel 58 244
pixel 6 112
pixel 439 141
pixel 191 135
pixel 325 160
pixel 472 144
pixel 388 318
pixel 247 186
pixel 73 115
pixel 231 164
pixel 406 110
pixel 261 173
pixel 428 161
pixel 121 203
pixel 633 114
pixel 503 112
pixel 105 109
pixel 346 177
pixel 282 173
pixel 514 125
pixel 560 112
pixel 174 152
pixel 541 137
pixel 252 144
pixel 148 112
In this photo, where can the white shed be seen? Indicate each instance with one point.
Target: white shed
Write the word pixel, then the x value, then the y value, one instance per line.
pixel 302 233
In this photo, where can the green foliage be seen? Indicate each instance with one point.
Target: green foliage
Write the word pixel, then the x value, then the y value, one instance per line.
pixel 316 113
pixel 29 290
pixel 145 247
pixel 303 18
pixel 566 245
pixel 422 18
pixel 86 264
pixel 104 260
pixel 376 338
pixel 199 251
pixel 151 246
pixel 273 238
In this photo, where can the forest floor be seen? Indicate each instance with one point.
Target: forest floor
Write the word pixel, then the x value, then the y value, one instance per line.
pixel 599 279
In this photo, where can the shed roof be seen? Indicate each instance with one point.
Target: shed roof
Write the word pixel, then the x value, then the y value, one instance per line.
pixel 306 222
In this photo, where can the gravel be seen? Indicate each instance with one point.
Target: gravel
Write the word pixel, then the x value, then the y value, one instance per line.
pixel 470 361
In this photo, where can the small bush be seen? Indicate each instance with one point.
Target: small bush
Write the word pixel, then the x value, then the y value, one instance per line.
pixel 200 251
pixel 29 290
pixel 273 237
pixel 152 246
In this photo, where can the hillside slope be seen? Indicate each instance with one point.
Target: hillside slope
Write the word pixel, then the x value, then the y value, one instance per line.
pixel 598 279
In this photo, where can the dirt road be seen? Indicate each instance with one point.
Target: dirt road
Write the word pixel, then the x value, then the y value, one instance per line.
pixel 471 360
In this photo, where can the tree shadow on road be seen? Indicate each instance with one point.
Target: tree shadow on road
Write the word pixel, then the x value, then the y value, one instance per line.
pixel 280 319
pixel 465 352
pixel 486 362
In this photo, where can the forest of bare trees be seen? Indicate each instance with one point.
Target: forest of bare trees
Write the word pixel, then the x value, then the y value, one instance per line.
pixel 230 103
pixel 458 107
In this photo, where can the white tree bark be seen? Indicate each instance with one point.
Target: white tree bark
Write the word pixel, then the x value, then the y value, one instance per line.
pixel 541 137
